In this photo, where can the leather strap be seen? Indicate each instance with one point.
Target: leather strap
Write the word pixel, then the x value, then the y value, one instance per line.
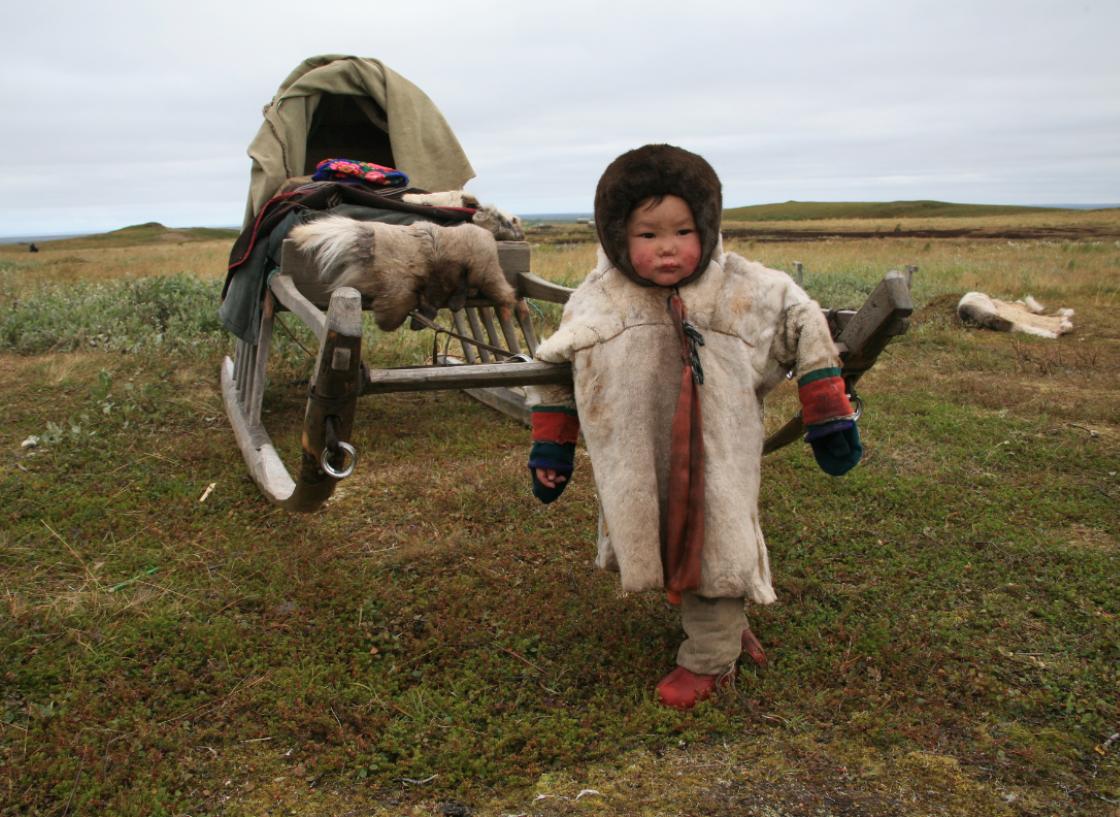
pixel 684 535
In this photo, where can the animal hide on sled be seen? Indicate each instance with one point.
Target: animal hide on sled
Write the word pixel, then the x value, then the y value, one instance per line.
pixel 1020 316
pixel 505 226
pixel 400 268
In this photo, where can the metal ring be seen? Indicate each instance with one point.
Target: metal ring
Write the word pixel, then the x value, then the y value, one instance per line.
pixel 857 405
pixel 519 358
pixel 345 472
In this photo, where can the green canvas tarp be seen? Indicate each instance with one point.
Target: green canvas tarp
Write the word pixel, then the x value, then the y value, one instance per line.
pixel 345 105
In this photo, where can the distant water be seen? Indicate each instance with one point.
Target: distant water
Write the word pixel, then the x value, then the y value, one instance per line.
pixel 1080 206
pixel 27 239
pixel 554 216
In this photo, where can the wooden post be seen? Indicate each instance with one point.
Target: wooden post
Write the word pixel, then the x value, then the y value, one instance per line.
pixel 337 384
pixel 864 335
pixel 334 393
pixel 882 317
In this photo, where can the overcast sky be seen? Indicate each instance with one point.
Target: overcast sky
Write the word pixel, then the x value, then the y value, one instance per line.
pixel 125 112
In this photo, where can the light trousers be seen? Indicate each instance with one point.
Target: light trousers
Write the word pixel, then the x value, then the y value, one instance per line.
pixel 714 630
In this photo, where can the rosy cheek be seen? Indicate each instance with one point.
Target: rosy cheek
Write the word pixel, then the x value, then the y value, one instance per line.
pixel 641 258
pixel 690 257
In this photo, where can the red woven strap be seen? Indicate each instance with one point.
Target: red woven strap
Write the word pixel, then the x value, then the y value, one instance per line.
pixel 555 425
pixel 823 398
pixel 684 534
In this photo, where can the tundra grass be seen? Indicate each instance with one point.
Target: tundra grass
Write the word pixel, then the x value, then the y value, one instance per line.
pixel 435 641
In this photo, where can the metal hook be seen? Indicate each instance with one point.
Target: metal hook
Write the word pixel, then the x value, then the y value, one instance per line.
pixel 342 473
pixel 857 406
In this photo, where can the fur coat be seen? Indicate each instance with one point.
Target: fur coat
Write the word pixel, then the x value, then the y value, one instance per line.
pixel 758 325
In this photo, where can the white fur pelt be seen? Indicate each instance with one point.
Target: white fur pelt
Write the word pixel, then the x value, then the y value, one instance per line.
pixel 445 198
pixel 405 267
pixel 1020 316
pixel 505 226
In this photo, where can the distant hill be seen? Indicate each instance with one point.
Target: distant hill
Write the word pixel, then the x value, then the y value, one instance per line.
pixel 812 210
pixel 150 233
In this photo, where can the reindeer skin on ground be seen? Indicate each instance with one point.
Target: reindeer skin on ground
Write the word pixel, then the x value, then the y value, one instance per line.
pixel 1020 316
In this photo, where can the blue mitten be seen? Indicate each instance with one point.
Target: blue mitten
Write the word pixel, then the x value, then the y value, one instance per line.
pixel 558 456
pixel 836 446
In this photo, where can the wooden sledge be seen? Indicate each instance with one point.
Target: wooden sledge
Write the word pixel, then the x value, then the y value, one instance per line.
pixel 496 363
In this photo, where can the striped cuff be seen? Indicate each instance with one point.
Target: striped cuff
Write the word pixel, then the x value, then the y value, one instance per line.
pixel 555 424
pixel 823 397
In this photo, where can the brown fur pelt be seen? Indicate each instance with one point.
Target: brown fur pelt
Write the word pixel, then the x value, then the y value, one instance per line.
pixel 1025 316
pixel 404 267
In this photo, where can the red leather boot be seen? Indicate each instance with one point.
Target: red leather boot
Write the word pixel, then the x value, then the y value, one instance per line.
pixel 683 689
pixel 753 647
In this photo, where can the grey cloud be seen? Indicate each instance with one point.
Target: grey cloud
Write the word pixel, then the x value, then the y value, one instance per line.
pixel 134 112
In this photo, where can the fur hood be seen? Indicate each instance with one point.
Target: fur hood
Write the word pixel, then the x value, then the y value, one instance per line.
pixel 657 170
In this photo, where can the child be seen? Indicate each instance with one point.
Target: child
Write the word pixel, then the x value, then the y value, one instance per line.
pixel 677 466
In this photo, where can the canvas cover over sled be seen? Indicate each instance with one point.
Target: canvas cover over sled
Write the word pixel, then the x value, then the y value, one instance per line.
pixel 357 108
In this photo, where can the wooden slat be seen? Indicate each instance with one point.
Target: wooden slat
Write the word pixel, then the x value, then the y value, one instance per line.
pixel 476 376
pixel 461 328
pixel 525 321
pixel 238 363
pixel 790 432
pixel 250 374
pixel 533 286
pixel 508 330
pixel 882 317
pixel 476 333
pixel 264 348
pixel 286 292
pixel 244 360
pixel 510 402
pixel 487 315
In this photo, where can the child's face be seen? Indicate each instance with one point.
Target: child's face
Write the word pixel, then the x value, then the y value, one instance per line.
pixel 662 241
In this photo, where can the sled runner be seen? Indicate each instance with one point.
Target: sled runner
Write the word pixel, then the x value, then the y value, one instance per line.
pixel 345 106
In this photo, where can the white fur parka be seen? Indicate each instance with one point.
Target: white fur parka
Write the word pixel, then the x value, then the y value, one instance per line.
pixel 757 326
